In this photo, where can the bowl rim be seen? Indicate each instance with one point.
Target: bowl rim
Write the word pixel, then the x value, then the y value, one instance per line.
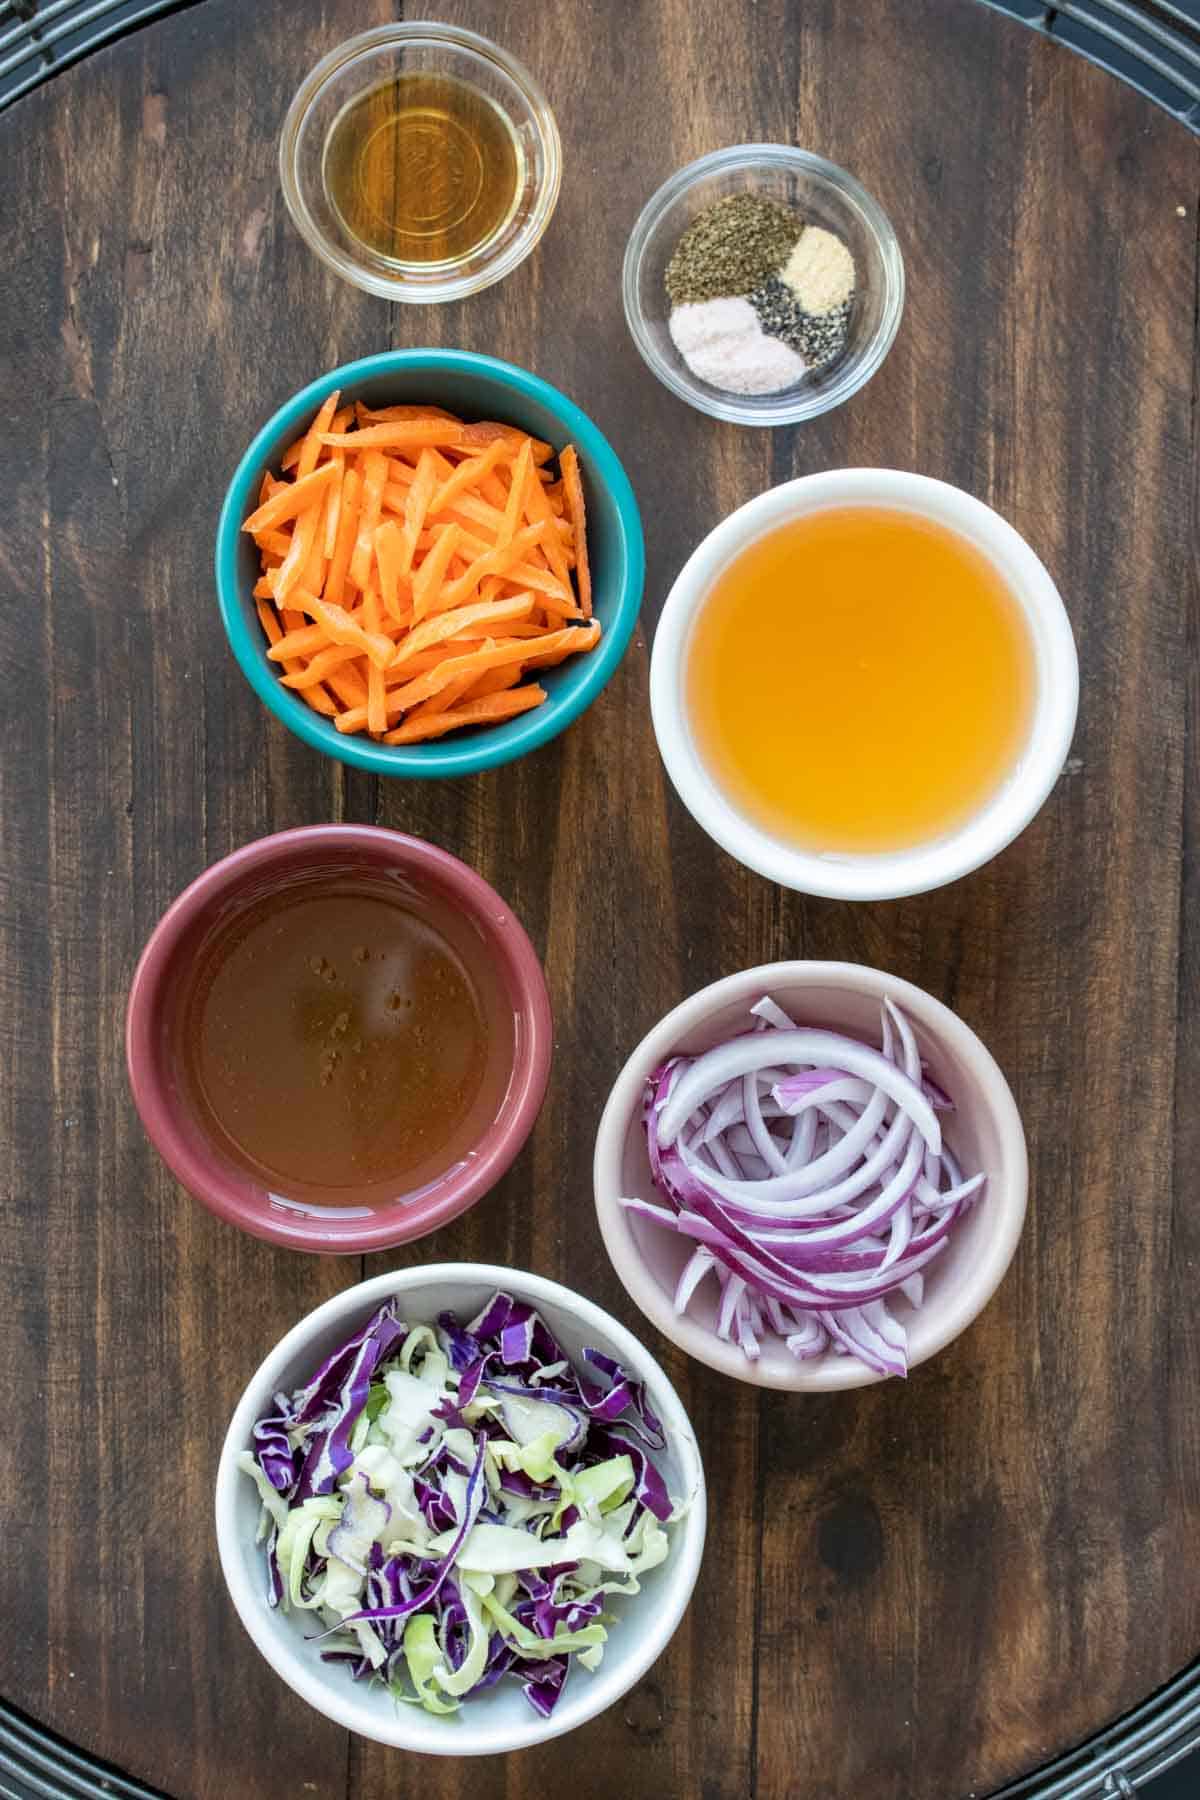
pixel 689 1532
pixel 827 1374
pixel 802 403
pixel 452 287
pixel 387 1228
pixel 887 875
pixel 483 750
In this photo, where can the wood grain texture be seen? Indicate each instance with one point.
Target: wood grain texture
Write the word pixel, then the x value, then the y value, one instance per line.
pixel 914 1592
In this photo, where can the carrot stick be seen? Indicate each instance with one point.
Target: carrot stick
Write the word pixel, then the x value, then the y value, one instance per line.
pixel 268 618
pixel 389 550
pixel 290 501
pixel 295 562
pixel 450 624
pixel 335 580
pixel 319 700
pixel 484 431
pixel 557 645
pixel 494 492
pixel 380 414
pixel 490 656
pixel 515 504
pixel 478 712
pixel 349 687
pixel 401 434
pixel 568 462
pixel 377 720
pixel 428 580
pixel 375 471
pixel 468 474
pixel 318 666
pixel 340 628
pixel 493 681
pixel 495 562
pixel 312 576
pixel 275 543
pixel 333 509
pixel 310 450
pixel 416 505
pixel 537 508
pixel 448 697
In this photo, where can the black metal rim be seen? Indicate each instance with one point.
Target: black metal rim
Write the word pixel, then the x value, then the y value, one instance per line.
pixel 1155 46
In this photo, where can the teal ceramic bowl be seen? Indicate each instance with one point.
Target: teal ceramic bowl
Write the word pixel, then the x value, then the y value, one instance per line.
pixel 477 387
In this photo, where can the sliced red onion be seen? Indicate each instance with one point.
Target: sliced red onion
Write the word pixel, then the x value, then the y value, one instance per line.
pixel 809 1171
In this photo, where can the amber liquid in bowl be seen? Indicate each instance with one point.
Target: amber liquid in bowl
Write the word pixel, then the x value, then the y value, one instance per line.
pixel 859 681
pixel 423 168
pixel 343 1043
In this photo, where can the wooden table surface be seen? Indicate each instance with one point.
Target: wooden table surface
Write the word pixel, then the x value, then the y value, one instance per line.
pixel 914 1592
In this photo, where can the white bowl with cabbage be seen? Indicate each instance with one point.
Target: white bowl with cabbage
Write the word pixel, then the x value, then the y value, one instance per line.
pixel 460 1509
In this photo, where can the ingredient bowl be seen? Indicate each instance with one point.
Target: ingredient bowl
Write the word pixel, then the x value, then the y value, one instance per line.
pixel 499 1719
pixel 469 913
pixel 474 388
pixel 984 1132
pixel 821 194
pixel 504 86
pixel 1013 803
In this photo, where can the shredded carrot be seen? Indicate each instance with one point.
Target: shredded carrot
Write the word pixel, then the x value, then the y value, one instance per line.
pixel 419 571
pixel 429 580
pixel 347 533
pixel 375 469
pixel 467 475
pixel 402 434
pixel 377 719
pixel 310 450
pixel 478 712
pixel 416 505
pixel 493 681
pixel 289 501
pixel 389 551
pixel 568 462
pixel 340 628
pixel 515 505
pixel 296 561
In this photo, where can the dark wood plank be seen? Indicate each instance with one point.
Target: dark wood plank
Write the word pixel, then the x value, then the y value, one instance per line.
pixel 157 309
pixel 982 1556
pixel 919 1590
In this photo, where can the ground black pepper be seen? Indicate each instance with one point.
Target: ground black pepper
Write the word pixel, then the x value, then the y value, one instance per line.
pixel 730 247
pixel 817 337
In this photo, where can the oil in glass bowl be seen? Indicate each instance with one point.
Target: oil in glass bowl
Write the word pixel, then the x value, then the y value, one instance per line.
pixel 423 169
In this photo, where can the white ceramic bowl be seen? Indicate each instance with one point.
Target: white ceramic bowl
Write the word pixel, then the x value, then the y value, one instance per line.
pixel 500 1719
pixel 1056 697
pixel 984 1131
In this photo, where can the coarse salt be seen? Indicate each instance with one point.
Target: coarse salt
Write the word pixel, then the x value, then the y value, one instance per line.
pixel 722 342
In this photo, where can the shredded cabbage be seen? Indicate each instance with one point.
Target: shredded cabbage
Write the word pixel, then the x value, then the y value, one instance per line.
pixel 455 1502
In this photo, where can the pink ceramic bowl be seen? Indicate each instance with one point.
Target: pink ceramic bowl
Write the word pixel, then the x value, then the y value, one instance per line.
pixel 448 887
pixel 984 1131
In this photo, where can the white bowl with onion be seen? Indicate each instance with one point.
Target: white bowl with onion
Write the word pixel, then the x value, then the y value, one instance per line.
pixel 874 1225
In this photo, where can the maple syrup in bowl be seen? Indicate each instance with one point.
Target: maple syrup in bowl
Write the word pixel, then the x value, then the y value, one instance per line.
pixel 420 162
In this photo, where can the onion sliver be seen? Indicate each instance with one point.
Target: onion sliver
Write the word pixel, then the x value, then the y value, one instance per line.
pixel 809 1173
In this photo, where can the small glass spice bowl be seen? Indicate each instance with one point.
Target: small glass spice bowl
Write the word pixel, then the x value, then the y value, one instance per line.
pixel 821 194
pixel 363 64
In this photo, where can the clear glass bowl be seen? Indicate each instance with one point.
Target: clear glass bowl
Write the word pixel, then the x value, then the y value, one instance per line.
pixel 823 195
pixel 364 63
